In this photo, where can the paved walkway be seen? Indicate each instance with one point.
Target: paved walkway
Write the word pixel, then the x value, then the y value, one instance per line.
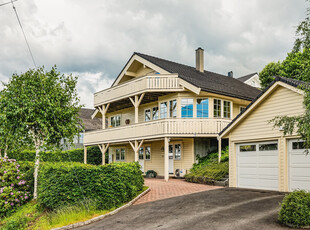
pixel 161 189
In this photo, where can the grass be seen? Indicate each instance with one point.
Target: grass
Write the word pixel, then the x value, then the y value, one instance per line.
pixel 31 216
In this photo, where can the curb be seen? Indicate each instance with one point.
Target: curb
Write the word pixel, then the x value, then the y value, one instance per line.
pixel 95 219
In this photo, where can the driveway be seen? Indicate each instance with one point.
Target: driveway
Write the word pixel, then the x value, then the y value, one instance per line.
pixel 226 208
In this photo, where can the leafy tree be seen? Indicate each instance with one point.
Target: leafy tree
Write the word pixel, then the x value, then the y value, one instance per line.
pixel 44 106
pixel 270 70
pixel 303 34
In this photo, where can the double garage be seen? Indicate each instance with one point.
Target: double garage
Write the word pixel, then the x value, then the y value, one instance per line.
pixel 258 165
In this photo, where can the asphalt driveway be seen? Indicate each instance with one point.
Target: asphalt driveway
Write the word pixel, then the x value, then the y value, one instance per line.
pixel 226 208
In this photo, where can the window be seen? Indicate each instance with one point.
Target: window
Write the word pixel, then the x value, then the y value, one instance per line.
pixel 120 154
pixel 298 145
pixel 155 113
pixel 268 147
pixel 163 110
pixel 177 151
pixel 147 115
pixel 81 138
pixel 202 108
pixel 242 108
pixel 187 107
pixel 247 148
pixel 141 157
pixel 147 153
pixel 227 109
pixel 217 109
pixel 116 121
pixel 173 108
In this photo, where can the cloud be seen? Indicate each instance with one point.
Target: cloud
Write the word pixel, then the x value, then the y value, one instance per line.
pixel 94 39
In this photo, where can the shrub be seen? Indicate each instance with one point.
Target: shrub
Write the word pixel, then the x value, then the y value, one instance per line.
pixel 151 174
pixel 62 184
pixel 295 209
pixel 14 189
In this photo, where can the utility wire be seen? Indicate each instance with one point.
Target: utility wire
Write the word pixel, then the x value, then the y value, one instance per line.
pixel 3 4
pixel 20 24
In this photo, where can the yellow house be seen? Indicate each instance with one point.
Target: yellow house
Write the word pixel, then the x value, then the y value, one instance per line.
pixel 163 113
pixel 260 156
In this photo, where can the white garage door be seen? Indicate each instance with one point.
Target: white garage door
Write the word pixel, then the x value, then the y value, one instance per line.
pixel 257 165
pixel 299 166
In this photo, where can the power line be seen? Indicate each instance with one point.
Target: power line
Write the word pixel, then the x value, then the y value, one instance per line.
pixel 7 3
pixel 20 24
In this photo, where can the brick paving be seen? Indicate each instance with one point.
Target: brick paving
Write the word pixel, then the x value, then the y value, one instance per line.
pixel 161 189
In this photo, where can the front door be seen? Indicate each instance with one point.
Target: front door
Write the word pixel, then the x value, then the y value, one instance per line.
pixel 141 158
pixel 171 150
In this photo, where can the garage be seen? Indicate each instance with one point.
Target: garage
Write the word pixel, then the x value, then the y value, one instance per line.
pixel 298 166
pixel 257 165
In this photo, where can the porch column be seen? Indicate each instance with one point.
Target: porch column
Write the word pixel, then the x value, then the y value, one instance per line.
pixel 103 148
pixel 166 159
pixel 136 102
pixel 219 148
pixel 103 110
pixel 85 154
pixel 136 146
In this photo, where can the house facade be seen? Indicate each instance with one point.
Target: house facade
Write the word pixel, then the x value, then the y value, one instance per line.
pixel 260 155
pixel 163 113
pixel 252 80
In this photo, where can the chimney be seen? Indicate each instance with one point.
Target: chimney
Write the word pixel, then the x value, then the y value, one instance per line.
pixel 230 74
pixel 199 60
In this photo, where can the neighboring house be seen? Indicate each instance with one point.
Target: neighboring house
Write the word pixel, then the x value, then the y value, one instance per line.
pixel 88 124
pixel 163 113
pixel 260 156
pixel 251 79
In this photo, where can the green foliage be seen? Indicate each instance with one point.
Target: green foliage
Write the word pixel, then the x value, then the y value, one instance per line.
pixel 94 155
pixel 303 34
pixel 266 76
pixel 295 209
pixel 14 189
pixel 110 185
pixel 151 174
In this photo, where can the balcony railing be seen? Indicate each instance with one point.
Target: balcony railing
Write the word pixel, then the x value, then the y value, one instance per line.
pixel 153 83
pixel 172 127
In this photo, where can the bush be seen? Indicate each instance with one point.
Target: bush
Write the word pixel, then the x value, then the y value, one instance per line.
pixel 94 155
pixel 295 209
pixel 14 189
pixel 151 174
pixel 62 184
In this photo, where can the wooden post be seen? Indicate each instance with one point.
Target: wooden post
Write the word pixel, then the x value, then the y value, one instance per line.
pixel 166 159
pixel 219 148
pixel 85 154
pixel 136 102
pixel 136 146
pixel 103 110
pixel 103 148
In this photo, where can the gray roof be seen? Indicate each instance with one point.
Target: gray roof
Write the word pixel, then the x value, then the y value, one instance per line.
pixel 89 124
pixel 207 81
pixel 246 77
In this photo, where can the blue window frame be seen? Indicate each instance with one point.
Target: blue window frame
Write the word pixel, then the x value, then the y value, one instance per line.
pixel 203 107
pixel 187 105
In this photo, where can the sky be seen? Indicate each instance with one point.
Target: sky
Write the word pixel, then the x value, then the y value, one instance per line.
pixel 94 39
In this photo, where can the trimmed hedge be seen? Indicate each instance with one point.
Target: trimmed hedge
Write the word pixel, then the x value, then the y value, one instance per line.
pixel 109 185
pixel 94 155
pixel 295 209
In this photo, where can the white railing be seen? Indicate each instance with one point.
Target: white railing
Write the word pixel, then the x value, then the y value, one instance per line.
pixel 191 127
pixel 169 82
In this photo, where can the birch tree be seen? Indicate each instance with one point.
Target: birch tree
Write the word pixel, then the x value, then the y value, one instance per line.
pixel 44 105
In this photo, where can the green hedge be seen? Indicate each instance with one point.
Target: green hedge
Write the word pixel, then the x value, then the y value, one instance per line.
pixel 295 209
pixel 109 185
pixel 27 168
pixel 94 155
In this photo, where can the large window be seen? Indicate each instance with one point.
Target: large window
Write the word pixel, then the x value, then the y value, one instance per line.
pixel 177 151
pixel 147 115
pixel 202 108
pixel 155 113
pixel 163 110
pixel 173 108
pixel 115 121
pixel 217 108
pixel 227 109
pixel 120 154
pixel 187 107
pixel 147 153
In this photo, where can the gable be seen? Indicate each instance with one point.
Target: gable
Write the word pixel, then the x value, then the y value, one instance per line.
pixel 254 81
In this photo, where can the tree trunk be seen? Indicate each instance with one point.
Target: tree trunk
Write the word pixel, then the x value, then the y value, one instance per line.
pixel 5 151
pixel 0 152
pixel 36 170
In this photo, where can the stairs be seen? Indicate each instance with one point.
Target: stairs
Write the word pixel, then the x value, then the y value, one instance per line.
pixel 223 182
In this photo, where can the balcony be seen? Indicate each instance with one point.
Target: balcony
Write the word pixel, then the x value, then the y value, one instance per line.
pixel 172 127
pixel 150 83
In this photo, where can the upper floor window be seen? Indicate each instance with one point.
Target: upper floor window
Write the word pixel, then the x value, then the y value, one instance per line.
pixel 147 114
pixel 187 105
pixel 202 108
pixel 173 108
pixel 217 108
pixel 163 110
pixel 115 121
pixel 227 109
pixel 155 113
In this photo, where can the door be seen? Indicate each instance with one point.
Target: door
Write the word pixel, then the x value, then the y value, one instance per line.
pixel 141 158
pixel 171 151
pixel 257 165
pixel 298 166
